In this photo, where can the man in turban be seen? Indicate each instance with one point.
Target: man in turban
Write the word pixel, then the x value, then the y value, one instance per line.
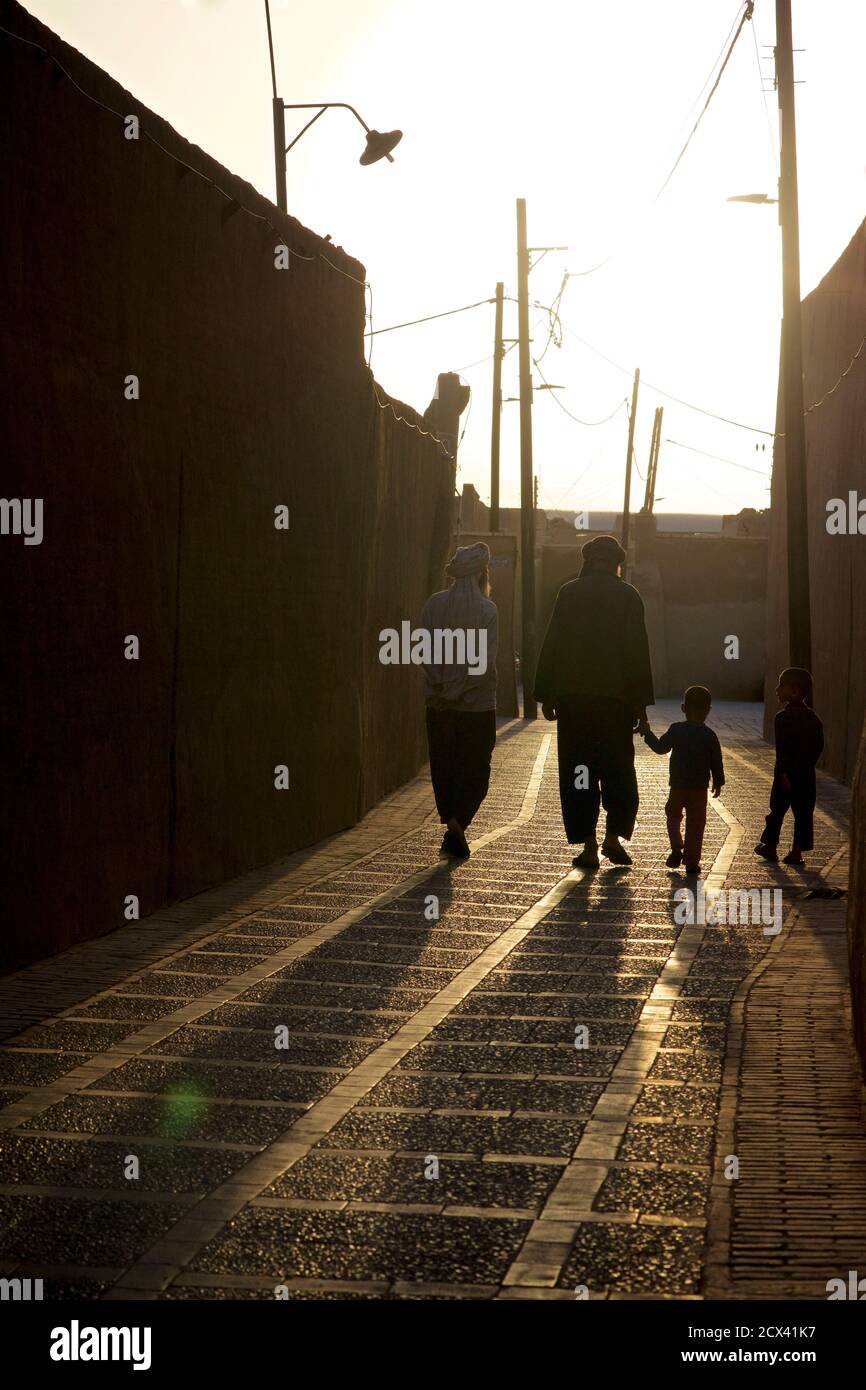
pixel 594 678
pixel 461 697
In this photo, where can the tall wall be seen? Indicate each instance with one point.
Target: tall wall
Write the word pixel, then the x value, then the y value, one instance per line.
pixel 258 646
pixel 834 325
pixel 857 904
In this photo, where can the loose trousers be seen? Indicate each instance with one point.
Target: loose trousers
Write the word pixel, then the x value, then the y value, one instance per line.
pixel 799 798
pixel 461 744
pixel 692 801
pixel 596 752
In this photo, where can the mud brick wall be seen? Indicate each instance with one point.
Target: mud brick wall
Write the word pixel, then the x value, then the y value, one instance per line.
pixel 834 325
pixel 857 904
pixel 258 646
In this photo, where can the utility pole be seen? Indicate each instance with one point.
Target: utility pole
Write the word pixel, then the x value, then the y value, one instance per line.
pixel 496 420
pixel 799 615
pixel 647 497
pixel 652 468
pixel 527 511
pixel 629 452
pixel 279 123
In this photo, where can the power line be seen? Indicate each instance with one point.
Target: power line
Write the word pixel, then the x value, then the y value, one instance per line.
pixel 836 384
pixel 747 15
pixel 754 429
pixel 775 152
pixel 410 323
pixel 718 458
pixel 577 421
pixel 600 450
pixel 749 7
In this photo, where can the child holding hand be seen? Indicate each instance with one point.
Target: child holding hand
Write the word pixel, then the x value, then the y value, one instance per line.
pixel 696 759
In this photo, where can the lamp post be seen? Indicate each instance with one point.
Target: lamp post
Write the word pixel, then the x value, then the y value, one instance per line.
pixel 378 146
pixel 796 495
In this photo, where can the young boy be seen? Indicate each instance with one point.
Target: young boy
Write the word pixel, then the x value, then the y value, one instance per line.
pixel 696 758
pixel 799 741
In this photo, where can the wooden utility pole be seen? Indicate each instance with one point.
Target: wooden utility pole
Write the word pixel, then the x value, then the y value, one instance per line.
pixel 652 467
pixel 496 419
pixel 628 458
pixel 799 615
pixel 647 497
pixel 527 511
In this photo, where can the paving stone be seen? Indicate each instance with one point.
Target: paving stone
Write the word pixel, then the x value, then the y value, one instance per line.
pixel 634 1259
pixel 266 1016
pixel 259 1046
pixel 658 1194
pixel 678 1066
pixel 666 1143
pixel 128 1007
pixel 60 1230
pixel 689 1101
pixel 364 1245
pixel 558 1097
pixel 179 1116
pixel 71 1163
pixel 356 1177
pixel 478 1134
pixel 190 1081
pixel 37 1068
pixel 74 1036
pixel 494 1058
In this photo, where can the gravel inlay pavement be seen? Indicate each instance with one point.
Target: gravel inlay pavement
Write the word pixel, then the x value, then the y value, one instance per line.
pixel 63 1230
pixel 37 1068
pixel 613 1258
pixel 467 1093
pixel 680 1194
pixel 364 1245
pixel 454 1117
pixel 667 1143
pixel 205 1080
pixel 333 1176
pixel 175 1115
pixel 439 1134
pixel 41 1161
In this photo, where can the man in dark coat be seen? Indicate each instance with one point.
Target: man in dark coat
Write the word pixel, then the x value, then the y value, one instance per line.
pixel 594 678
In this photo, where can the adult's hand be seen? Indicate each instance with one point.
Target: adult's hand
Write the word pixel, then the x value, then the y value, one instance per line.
pixel 549 711
pixel 641 724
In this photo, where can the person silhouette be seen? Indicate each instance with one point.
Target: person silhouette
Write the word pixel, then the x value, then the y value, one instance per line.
pixel 461 694
pixel 595 679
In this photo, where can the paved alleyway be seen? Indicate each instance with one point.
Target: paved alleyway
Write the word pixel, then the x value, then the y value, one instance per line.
pixel 430 1128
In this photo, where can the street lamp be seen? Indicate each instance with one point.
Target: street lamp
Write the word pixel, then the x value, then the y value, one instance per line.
pixel 378 146
pixel 752 198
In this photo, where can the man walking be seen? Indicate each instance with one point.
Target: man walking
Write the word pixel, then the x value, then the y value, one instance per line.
pixel 594 678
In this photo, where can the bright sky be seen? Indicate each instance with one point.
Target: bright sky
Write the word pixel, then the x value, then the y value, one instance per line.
pixel 581 108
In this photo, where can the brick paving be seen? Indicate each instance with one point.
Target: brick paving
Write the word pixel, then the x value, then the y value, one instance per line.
pixel 355 1074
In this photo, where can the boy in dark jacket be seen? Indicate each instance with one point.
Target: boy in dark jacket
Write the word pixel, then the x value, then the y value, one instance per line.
pixel 799 743
pixel 696 758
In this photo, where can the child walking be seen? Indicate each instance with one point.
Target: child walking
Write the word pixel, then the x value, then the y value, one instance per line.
pixel 799 742
pixel 696 759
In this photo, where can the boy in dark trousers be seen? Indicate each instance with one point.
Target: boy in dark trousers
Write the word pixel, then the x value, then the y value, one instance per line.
pixel 799 743
pixel 696 758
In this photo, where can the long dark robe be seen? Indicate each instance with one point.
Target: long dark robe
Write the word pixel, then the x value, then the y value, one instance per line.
pixel 594 666
pixel 596 643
